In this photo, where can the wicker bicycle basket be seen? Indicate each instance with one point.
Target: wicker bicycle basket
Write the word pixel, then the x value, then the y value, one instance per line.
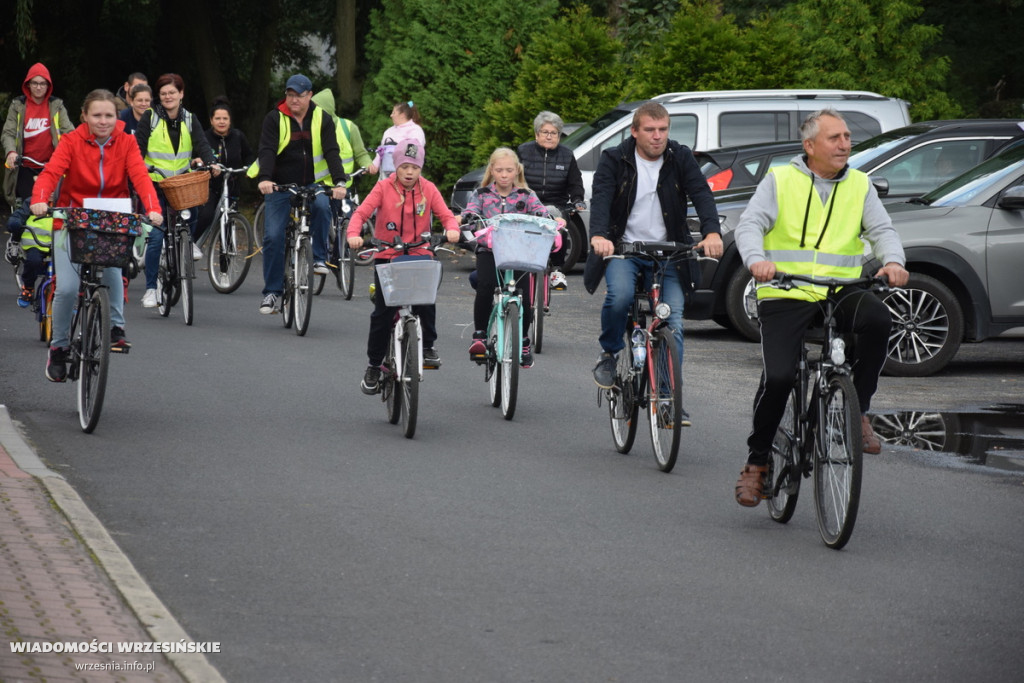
pixel 187 190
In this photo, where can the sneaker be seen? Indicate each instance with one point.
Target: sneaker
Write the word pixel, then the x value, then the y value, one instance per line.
pixel 13 252
pixel 117 339
pixel 604 371
pixel 56 364
pixel 320 268
pixel 431 361
pixel 149 299
pixel 197 253
pixel 558 282
pixel 25 298
pixel 478 349
pixel 527 357
pixel 269 304
pixel 684 420
pixel 371 380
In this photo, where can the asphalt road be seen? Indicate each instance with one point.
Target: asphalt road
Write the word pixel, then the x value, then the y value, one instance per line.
pixel 272 509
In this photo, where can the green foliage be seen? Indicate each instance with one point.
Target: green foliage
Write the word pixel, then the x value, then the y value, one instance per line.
pixel 571 67
pixel 640 24
pixel 451 57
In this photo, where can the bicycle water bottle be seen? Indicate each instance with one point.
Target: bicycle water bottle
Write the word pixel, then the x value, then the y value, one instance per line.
pixel 639 346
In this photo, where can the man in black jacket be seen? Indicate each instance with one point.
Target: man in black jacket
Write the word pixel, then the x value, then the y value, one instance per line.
pixel 639 194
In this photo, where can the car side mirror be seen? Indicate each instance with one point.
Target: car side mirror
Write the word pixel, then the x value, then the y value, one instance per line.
pixel 1012 199
pixel 881 185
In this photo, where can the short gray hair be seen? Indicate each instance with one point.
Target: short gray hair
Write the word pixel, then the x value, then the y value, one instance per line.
pixel 547 117
pixel 809 128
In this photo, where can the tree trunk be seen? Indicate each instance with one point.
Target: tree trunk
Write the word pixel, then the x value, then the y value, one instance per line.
pixel 348 88
pixel 204 54
pixel 259 81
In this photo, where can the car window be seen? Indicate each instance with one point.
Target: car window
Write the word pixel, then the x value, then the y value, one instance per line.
pixel 593 128
pixel 682 129
pixel 866 152
pixel 964 188
pixel 748 127
pixel 752 166
pixel 862 126
pixel 924 168
pixel 781 159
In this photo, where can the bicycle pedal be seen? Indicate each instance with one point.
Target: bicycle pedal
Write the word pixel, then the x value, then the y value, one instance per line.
pixel 120 349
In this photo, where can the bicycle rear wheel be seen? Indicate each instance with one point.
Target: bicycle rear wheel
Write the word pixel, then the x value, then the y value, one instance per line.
pixel 302 294
pixel 784 465
pixel 511 344
pixel 94 357
pixel 228 259
pixel 665 398
pixel 166 279
pixel 540 291
pixel 45 312
pixel 837 462
pixel 409 377
pixel 390 391
pixel 186 273
pixel 623 406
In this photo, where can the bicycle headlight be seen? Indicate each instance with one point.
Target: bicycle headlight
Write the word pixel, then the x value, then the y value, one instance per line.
pixel 663 310
pixel 185 214
pixel 838 351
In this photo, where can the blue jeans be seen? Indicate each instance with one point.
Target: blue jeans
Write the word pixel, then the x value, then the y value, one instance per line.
pixel 67 291
pixel 620 279
pixel 156 242
pixel 277 207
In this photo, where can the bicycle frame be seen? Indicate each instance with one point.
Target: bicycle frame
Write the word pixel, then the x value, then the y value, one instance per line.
pixel 503 294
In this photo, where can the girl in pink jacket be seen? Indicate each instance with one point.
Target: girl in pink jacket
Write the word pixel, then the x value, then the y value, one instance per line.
pixel 405 204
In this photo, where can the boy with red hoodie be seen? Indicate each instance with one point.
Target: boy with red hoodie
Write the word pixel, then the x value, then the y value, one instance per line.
pixel 35 122
pixel 405 204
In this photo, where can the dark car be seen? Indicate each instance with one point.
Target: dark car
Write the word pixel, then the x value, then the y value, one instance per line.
pixel 898 162
pixel 744 165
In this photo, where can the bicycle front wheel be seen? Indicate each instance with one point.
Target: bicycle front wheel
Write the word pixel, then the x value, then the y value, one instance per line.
pixel 167 279
pixel 409 378
pixel 186 273
pixel 540 293
pixel 390 391
pixel 665 398
pixel 230 250
pixel 45 310
pixel 623 407
pixel 837 461
pixel 93 359
pixel 508 359
pixel 304 285
pixel 346 272
pixel 492 365
pixel 784 473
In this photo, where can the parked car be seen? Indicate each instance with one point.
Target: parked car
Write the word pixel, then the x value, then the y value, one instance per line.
pixel 712 119
pixel 729 168
pixel 905 149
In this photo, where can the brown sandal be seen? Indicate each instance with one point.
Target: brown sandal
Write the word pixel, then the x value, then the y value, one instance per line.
pixel 750 487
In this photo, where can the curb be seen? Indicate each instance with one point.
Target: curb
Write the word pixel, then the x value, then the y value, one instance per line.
pixel 151 613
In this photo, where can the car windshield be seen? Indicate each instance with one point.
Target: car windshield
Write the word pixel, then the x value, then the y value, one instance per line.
pixel 964 188
pixel 864 153
pixel 586 132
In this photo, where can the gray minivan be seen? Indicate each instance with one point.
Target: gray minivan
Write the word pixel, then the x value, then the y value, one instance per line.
pixel 712 119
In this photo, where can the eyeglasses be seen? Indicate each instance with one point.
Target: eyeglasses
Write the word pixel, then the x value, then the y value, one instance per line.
pixel 297 96
pixel 38 84
pixel 548 133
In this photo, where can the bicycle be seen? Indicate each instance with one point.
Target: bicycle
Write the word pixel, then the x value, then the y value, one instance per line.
pixel 820 432
pixel 97 239
pixel 230 241
pixel 519 242
pixel 297 298
pixel 540 283
pixel 42 297
pixel 175 278
pixel 406 281
pixel 340 256
pixel 648 373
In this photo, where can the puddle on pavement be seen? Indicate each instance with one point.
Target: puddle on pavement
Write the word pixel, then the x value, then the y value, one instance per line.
pixel 991 437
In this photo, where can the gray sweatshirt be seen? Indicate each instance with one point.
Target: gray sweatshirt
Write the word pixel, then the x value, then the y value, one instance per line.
pixel 759 217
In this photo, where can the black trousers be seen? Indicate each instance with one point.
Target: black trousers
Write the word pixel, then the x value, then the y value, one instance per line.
pixel 783 324
pixel 486 281
pixel 382 318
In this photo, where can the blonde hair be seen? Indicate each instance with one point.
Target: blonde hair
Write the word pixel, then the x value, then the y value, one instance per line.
pixel 501 152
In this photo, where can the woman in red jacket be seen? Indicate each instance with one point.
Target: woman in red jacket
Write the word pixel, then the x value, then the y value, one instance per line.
pixel 96 160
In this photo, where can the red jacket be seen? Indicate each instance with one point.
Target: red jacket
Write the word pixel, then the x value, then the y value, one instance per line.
pixel 93 171
pixel 402 213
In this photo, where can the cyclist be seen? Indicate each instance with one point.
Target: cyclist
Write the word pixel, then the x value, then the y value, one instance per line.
pixel 298 144
pixel 405 203
pixel 33 252
pixel 406 119
pixel 551 171
pixel 95 160
pixel 171 139
pixel 808 218
pixel 639 194
pixel 502 190
pixel 230 148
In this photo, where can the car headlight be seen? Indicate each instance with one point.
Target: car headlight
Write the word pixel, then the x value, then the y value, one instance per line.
pixel 663 310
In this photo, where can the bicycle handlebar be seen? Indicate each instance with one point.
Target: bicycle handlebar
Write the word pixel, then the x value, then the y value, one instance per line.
pixel 18 159
pixel 671 250
pixel 785 281
pixel 431 242
pixel 230 171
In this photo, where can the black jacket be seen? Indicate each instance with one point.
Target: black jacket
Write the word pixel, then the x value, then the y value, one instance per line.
pixel 614 192
pixel 233 151
pixel 552 173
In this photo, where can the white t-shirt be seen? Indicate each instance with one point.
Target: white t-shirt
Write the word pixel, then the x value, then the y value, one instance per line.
pixel 646 222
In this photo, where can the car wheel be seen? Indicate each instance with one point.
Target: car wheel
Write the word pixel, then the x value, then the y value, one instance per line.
pixel 918 429
pixel 927 327
pixel 735 291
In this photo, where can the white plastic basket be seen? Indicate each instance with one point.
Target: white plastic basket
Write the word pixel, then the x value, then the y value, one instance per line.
pixel 522 242
pixel 409 283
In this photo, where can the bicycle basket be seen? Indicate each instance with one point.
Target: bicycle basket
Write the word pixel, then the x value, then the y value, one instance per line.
pixel 101 238
pixel 409 282
pixel 186 190
pixel 521 242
